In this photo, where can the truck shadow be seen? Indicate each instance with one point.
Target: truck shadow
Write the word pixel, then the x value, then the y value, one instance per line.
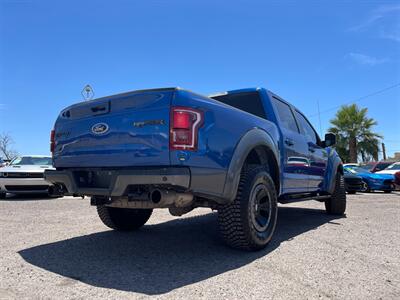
pixel 161 257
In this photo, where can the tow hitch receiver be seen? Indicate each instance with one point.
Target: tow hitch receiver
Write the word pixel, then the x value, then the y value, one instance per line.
pixel 97 200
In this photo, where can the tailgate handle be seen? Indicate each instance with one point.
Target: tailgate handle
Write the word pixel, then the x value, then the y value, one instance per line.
pixel 98 109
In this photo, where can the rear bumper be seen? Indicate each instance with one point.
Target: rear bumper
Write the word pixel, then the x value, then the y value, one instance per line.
pixel 116 182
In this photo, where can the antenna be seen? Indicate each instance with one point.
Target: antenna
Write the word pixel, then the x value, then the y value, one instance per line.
pixel 319 118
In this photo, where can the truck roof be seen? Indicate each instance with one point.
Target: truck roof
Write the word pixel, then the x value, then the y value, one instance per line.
pixel 249 90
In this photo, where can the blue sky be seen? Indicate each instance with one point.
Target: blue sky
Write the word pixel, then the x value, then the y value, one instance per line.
pixel 306 51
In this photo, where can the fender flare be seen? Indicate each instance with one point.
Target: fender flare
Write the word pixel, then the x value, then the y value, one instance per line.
pixel 251 139
pixel 335 165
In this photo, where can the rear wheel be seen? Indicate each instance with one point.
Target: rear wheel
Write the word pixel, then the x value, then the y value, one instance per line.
pixel 387 192
pixel 249 221
pixel 336 204
pixel 123 219
pixel 351 192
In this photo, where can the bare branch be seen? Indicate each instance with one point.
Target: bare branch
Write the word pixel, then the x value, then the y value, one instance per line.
pixel 6 149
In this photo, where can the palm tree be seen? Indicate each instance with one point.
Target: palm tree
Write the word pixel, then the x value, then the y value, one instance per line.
pixel 354 134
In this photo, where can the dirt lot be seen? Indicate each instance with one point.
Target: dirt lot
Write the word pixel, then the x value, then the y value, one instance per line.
pixel 57 248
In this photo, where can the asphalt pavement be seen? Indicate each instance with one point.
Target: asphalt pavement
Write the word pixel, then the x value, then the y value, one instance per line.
pixel 59 249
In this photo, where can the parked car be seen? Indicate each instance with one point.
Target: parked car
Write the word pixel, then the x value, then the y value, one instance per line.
pixel 2 163
pixel 374 181
pixel 24 175
pixel 397 179
pixel 235 152
pixel 353 183
pixel 391 169
pixel 376 166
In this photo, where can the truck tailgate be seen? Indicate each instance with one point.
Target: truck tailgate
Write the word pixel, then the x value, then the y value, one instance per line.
pixel 119 131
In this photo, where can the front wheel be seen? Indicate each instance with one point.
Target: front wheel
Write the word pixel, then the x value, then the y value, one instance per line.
pixel 249 221
pixel 336 204
pixel 387 191
pixel 123 219
pixel 3 195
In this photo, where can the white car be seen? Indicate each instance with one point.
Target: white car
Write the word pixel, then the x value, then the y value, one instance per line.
pixel 392 169
pixel 24 175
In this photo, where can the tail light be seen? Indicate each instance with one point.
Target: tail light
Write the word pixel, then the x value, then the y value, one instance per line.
pixel 52 141
pixel 184 128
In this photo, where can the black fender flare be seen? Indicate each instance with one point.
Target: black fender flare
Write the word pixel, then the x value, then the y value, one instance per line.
pixel 335 164
pixel 250 140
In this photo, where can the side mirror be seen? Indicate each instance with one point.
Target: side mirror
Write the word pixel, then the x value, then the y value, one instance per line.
pixel 330 139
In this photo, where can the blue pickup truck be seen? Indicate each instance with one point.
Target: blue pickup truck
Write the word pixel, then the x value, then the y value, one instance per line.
pixel 239 152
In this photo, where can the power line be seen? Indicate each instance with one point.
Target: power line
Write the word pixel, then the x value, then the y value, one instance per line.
pixel 358 99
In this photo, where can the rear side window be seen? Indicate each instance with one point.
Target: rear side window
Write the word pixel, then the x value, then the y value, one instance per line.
pixel 382 166
pixel 305 128
pixel 248 102
pixel 285 115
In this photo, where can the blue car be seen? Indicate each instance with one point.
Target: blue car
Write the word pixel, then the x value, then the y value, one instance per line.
pixel 374 181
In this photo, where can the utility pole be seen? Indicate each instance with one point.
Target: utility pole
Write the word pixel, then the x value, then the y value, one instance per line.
pixel 384 151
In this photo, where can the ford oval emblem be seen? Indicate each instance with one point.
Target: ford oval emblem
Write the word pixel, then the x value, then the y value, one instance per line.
pixel 100 128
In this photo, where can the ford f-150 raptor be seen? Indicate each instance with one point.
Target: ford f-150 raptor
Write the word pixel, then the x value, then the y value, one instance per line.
pixel 239 152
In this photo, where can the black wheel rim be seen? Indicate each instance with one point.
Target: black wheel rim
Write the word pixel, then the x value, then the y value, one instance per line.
pixel 260 208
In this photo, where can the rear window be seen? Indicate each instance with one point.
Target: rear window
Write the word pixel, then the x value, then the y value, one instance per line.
pixel 382 165
pixel 248 102
pixel 393 167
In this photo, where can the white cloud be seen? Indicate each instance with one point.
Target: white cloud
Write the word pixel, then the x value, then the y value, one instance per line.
pixel 394 36
pixel 364 25
pixel 387 9
pixel 367 60
pixel 378 19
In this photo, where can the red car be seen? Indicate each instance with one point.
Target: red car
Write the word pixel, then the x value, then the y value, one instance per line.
pixel 397 178
pixel 376 166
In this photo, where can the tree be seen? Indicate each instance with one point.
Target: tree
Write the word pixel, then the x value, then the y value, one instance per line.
pixel 354 134
pixel 5 146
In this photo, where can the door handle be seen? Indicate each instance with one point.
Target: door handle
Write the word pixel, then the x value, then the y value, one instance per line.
pixel 289 142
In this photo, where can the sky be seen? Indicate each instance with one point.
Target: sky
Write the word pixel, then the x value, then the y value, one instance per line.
pixel 311 53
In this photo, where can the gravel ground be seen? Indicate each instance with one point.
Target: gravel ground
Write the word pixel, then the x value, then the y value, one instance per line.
pixel 58 248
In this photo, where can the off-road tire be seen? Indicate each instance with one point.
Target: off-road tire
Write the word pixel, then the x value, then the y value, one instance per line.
pixel 336 204
pixel 123 219
pixel 237 220
pixel 3 195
